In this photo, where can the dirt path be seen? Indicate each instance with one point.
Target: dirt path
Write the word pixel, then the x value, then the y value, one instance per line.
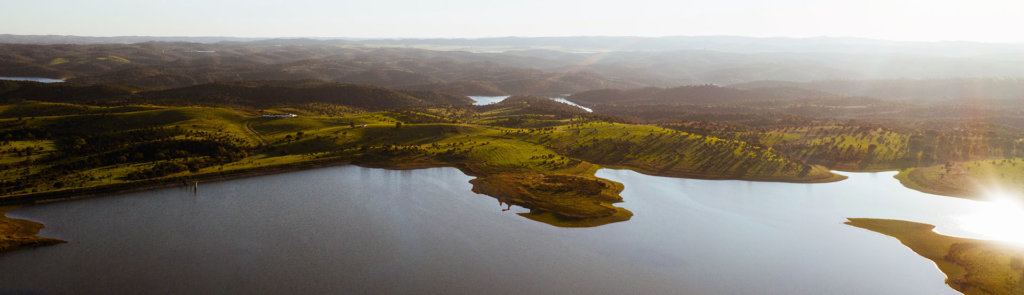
pixel 248 128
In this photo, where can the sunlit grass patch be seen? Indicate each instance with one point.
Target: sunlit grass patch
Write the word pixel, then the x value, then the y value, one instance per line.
pixel 58 61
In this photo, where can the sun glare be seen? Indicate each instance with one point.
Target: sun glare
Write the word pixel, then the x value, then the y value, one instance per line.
pixel 1000 219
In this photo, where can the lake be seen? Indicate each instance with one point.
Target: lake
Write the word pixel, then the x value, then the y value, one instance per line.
pixel 565 101
pixel 36 79
pixel 486 100
pixel 362 230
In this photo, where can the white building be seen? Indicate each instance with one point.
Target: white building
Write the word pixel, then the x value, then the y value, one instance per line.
pixel 279 115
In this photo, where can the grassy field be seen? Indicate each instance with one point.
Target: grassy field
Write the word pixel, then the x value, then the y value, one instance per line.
pixel 971 266
pixel 839 147
pixel 852 146
pixel 58 61
pixel 666 152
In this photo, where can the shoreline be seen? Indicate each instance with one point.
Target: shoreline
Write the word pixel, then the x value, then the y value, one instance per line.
pixel 911 178
pixel 833 177
pixel 543 205
pixel 145 185
pixel 17 234
pixel 971 266
pixel 984 180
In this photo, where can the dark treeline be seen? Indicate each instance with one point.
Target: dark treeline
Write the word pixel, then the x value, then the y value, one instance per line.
pixel 933 91
pixel 698 94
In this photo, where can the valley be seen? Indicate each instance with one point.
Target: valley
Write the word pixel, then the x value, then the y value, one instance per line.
pixel 536 129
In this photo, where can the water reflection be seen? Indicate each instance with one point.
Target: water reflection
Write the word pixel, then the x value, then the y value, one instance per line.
pixel 1000 220
pixel 362 230
pixel 486 100
pixel 565 101
pixel 34 79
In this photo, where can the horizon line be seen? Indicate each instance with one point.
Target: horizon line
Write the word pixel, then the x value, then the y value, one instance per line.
pixel 515 36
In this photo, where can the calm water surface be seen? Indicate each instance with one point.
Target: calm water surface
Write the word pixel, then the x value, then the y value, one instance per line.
pixel 36 79
pixel 565 101
pixel 362 230
pixel 486 100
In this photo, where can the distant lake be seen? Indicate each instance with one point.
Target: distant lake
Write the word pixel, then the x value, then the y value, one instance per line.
pixel 36 79
pixel 362 230
pixel 562 100
pixel 486 100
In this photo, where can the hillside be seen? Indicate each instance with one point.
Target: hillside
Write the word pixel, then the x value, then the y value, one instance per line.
pixel 474 68
pixel 269 94
pixel 933 91
pixel 698 94
pixel 173 65
pixel 993 180
pixel 243 94
pixel 527 151
pixel 62 92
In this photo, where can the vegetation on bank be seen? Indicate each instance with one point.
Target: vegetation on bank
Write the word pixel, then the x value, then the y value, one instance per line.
pixel 660 151
pixel 971 266
pixel 986 180
pixel 549 169
pixel 523 150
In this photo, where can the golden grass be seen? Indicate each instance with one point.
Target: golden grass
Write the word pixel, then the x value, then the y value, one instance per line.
pixel 19 233
pixel 974 179
pixel 58 61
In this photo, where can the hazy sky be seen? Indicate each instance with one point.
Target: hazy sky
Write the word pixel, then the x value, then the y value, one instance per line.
pixel 912 20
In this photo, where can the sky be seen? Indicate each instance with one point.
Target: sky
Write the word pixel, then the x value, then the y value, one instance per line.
pixel 903 20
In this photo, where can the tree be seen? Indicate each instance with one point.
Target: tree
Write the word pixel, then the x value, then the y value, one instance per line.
pixel 398 124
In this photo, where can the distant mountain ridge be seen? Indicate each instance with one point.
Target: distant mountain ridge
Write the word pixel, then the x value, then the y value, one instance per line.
pixel 71 39
pixel 932 90
pixel 697 94
pixel 533 68
pixel 736 44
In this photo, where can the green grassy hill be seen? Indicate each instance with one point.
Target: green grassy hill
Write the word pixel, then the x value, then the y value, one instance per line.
pixel 660 151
